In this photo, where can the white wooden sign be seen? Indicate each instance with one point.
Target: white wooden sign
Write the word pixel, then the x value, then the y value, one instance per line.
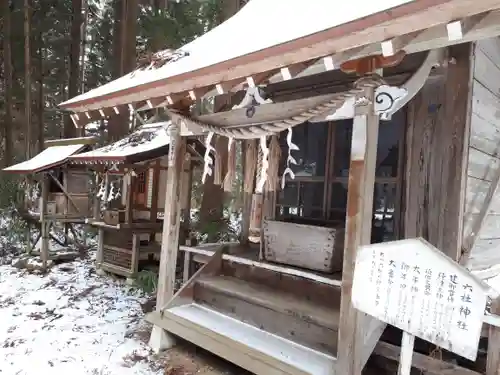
pixel 412 285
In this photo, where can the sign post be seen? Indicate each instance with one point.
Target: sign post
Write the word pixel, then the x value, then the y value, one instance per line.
pixel 413 286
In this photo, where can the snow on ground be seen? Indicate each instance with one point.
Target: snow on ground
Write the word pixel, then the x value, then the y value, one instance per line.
pixel 70 321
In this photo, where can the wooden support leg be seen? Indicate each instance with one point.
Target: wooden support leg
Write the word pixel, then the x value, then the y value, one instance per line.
pixel 44 249
pixel 29 247
pixel 160 340
pixel 353 324
pixel 493 358
pixel 100 252
pixel 135 258
pixel 187 267
pixel 100 243
pixel 66 232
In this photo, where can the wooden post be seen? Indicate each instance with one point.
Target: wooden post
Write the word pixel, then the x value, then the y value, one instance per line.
pixel 493 358
pixel 160 340
pixel 358 231
pixel 100 243
pixel 44 228
pixel 153 215
pixel 130 181
pixel 405 358
pixel 135 258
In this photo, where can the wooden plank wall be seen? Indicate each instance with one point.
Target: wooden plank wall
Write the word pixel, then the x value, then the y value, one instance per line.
pixel 436 155
pixel 484 154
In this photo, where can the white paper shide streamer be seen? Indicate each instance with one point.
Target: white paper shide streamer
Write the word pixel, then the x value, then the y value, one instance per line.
pixel 290 159
pixel 265 165
pixel 208 165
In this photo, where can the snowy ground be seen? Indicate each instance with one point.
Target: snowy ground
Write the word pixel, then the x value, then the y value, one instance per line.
pixel 70 321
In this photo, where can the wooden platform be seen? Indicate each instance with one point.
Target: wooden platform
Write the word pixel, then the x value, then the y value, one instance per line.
pixel 250 256
pixel 266 318
pixel 247 346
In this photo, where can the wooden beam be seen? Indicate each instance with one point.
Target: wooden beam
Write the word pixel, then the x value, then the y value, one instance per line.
pixel 225 87
pixel 493 357
pixel 353 324
pixel 291 71
pixel 170 237
pixel 422 362
pixel 392 46
pixel 65 192
pixel 457 30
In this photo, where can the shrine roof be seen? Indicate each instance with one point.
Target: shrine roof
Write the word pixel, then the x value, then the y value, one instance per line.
pixel 49 158
pixel 266 35
pixel 149 142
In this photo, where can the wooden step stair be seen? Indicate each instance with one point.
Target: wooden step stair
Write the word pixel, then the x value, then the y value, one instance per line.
pixel 252 348
pixel 277 312
pixel 267 322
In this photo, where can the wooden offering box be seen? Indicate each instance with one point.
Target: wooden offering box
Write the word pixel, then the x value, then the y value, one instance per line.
pixel 306 246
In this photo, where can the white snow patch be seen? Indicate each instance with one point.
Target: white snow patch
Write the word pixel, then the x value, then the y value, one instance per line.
pixel 50 156
pixel 69 322
pixel 215 47
pixel 146 138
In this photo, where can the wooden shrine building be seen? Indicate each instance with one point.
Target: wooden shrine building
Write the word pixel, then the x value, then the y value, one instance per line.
pixel 358 123
pixel 132 182
pixel 56 191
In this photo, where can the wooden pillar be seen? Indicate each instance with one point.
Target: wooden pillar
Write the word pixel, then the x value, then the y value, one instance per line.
pixel 160 340
pixel 130 181
pixel 358 232
pixel 188 188
pixel 44 227
pixel 248 187
pixel 493 358
pixel 153 214
pixel 100 243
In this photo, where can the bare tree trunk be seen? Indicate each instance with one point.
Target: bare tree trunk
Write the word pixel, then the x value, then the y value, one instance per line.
pixel 41 101
pixel 27 77
pixel 212 204
pixel 124 51
pixel 7 131
pixel 74 62
pixel 83 45
pixel 119 7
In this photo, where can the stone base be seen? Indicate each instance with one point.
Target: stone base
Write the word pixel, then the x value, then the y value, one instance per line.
pixel 100 271
pixel 160 340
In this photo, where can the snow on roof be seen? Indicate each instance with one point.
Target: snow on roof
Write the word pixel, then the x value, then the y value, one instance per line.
pixel 48 158
pixel 147 138
pixel 258 25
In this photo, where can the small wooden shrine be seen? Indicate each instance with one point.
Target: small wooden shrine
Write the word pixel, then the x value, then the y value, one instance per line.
pixel 358 123
pixel 132 175
pixel 56 190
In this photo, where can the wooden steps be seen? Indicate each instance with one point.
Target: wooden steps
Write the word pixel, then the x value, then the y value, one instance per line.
pixel 280 302
pixel 252 348
pixel 262 320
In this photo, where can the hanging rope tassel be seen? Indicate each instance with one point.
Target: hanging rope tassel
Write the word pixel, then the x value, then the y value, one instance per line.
pixel 218 162
pixel 207 166
pixel 231 166
pixel 274 164
pixel 250 148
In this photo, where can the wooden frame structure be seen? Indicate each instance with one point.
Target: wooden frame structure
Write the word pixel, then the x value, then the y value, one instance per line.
pixel 64 189
pixel 251 303
pixel 132 189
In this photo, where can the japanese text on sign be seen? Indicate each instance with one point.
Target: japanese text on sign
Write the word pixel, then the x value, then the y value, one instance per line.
pixel 411 285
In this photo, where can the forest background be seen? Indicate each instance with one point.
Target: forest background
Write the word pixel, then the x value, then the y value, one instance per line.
pixel 52 50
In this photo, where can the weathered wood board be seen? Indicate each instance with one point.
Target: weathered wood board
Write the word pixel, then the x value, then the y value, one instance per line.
pixel 484 160
pixel 305 246
pixel 412 285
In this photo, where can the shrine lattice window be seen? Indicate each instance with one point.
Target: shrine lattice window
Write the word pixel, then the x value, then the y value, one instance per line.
pixel 141 182
pixel 318 194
